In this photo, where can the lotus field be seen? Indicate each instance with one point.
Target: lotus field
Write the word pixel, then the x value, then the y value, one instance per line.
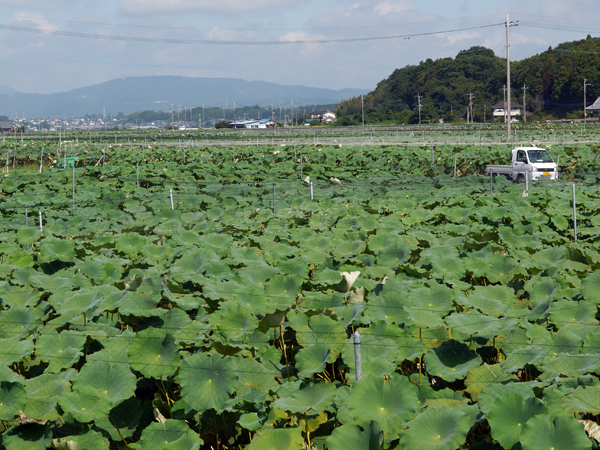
pixel 160 297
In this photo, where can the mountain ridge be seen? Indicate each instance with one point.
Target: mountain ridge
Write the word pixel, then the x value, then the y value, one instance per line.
pixel 133 94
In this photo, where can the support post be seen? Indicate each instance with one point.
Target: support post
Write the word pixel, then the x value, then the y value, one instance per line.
pixel 137 175
pixel 171 197
pixel 455 166
pixel 574 215
pixel 41 226
pixel 311 191
pixel 273 198
pixel 26 225
pixel 491 183
pixel 357 358
pixel 73 209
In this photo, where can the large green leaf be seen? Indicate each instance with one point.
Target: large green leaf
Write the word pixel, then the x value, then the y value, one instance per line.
pixel 390 403
pixel 350 437
pixel 277 439
pixel 28 436
pixel 207 381
pixel 584 399
pixel 562 433
pixel 322 339
pixel 51 249
pixel 508 416
pixel 12 399
pixel 311 399
pixel 437 429
pixel 171 435
pixel 60 350
pixel 154 353
pixel 111 382
pixel 451 361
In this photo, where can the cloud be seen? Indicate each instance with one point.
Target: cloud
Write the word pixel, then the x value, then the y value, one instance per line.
pixel 182 6
pixel 392 7
pixel 453 38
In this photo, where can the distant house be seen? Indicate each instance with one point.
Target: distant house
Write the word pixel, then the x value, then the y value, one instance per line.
pixel 254 123
pixel 594 108
pixel 6 127
pixel 323 115
pixel 498 110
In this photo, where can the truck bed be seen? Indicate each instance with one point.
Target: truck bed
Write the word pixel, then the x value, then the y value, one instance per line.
pixel 504 170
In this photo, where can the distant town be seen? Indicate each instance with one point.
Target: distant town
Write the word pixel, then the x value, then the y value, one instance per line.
pixel 194 118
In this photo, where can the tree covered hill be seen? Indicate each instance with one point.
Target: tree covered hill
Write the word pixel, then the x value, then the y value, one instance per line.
pixel 554 81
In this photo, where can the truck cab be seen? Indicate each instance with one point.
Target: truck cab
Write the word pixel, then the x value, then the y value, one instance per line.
pixel 533 163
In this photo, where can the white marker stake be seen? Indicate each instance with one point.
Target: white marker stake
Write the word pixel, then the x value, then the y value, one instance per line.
pixel 311 191
pixel 41 227
pixel 171 196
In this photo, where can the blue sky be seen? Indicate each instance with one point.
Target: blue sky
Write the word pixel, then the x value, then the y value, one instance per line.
pixel 57 45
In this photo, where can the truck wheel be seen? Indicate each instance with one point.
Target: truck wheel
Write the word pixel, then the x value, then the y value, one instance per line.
pixel 520 179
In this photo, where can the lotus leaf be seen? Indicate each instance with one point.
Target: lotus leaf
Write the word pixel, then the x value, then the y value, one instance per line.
pixel 451 361
pixel 308 400
pixel 562 433
pixel 43 393
pixel 85 404
pixel 481 377
pixel 437 429
pixel 154 353
pixel 590 287
pixel 12 399
pixel 492 392
pixel 207 381
pixel 351 437
pixel 322 339
pixel 28 436
pixel 108 380
pixel 508 416
pixel 472 323
pixel 390 403
pixel 277 439
pixel 123 419
pixel 171 435
pixel 256 375
pixel 60 350
pixel 18 322
pixel 584 399
pixel 51 249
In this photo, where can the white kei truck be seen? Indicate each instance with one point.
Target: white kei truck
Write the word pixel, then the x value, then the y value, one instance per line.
pixel 529 163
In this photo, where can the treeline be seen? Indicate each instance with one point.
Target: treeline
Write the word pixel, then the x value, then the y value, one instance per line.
pixel 554 81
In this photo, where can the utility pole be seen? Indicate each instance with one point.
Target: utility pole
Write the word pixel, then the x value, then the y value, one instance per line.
pixel 470 107
pixel 419 100
pixel 202 115
pixel 484 111
pixel 234 122
pixel 524 103
pixel 362 103
pixel 171 114
pixel 585 85
pixel 292 112
pixel 508 25
pixel 504 105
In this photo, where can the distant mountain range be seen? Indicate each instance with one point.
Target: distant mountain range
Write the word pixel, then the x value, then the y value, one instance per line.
pixel 128 95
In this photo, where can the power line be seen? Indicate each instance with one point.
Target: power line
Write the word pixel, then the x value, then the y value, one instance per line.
pixel 226 42
pixel 217 29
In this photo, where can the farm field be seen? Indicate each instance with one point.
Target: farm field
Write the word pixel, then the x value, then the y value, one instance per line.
pixel 190 296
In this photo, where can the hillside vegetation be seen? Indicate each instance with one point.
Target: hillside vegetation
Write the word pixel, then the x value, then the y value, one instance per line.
pixel 554 81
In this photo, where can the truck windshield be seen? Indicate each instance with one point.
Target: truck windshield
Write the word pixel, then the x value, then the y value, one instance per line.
pixel 539 156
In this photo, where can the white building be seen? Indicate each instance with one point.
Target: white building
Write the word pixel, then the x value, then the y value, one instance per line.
pixel 498 110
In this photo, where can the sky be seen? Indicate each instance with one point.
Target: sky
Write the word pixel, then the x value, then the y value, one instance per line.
pixel 58 45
